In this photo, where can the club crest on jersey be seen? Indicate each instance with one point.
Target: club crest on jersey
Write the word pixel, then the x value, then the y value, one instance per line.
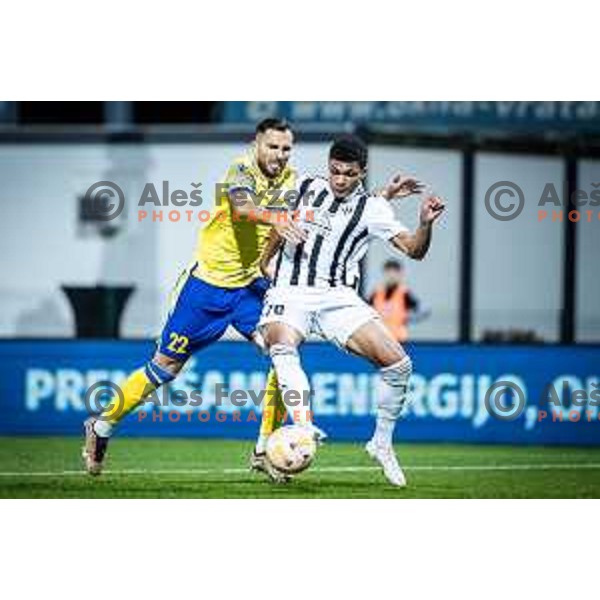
pixel 347 210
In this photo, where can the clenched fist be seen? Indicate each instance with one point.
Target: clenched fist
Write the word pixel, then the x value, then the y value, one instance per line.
pixel 431 209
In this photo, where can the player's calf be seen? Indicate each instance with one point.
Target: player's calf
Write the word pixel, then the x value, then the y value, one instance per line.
pixel 391 405
pixel 389 410
pixel 138 386
pixel 293 382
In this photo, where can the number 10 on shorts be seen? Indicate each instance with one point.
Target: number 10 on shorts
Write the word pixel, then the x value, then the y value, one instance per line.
pixel 276 309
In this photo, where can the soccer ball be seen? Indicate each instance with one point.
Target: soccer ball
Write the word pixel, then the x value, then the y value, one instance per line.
pixel 292 448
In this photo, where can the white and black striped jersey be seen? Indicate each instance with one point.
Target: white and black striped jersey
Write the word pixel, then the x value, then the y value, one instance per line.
pixel 338 235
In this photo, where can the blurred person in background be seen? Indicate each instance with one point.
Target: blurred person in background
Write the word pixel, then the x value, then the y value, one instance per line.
pixel 395 302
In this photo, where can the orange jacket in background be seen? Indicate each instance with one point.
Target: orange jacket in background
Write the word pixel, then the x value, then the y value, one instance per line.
pixel 393 310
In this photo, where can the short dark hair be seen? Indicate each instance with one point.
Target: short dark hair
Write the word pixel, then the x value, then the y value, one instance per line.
pixel 273 123
pixel 393 264
pixel 349 148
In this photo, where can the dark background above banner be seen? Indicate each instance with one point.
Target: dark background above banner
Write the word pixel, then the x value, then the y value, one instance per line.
pixel 508 115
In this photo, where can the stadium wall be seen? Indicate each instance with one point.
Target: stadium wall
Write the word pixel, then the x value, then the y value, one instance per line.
pixel 41 185
pixel 517 271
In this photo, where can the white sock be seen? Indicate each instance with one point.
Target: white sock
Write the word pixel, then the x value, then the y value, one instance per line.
pixel 384 431
pixel 390 406
pixel 291 377
pixel 103 428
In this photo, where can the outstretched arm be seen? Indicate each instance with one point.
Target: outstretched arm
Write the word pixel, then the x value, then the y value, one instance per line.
pixel 415 245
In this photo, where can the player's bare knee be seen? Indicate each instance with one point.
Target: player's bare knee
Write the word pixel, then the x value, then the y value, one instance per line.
pixel 391 355
pixel 386 352
pixel 171 365
pixel 276 333
pixel 161 369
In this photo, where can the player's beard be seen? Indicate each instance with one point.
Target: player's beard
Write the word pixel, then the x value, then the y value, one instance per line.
pixel 272 168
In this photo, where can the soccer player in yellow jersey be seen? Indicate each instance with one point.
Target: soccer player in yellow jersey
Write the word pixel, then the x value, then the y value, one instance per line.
pixel 224 286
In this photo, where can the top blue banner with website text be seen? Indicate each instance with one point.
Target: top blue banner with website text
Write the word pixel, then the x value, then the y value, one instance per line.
pixel 43 386
pixel 510 115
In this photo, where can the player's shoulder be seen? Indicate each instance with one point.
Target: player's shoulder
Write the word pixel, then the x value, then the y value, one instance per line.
pixel 309 187
pixel 308 180
pixel 242 172
pixel 242 164
pixel 378 208
pixel 378 203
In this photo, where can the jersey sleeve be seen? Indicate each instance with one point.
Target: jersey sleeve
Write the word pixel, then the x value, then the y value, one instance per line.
pixel 382 221
pixel 240 177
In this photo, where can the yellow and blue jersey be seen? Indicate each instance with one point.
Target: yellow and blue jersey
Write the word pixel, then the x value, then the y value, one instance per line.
pixel 228 250
pixel 225 286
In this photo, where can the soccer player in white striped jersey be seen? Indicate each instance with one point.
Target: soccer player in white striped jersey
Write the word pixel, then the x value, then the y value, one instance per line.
pixel 315 282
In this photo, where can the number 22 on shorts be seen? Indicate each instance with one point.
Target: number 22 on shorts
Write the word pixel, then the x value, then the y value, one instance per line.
pixel 178 344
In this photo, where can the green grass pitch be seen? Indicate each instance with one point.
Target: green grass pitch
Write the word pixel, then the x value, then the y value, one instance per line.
pixel 176 468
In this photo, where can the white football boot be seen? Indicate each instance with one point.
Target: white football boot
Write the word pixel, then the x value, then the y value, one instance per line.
pixel 386 457
pixel 94 449
pixel 261 464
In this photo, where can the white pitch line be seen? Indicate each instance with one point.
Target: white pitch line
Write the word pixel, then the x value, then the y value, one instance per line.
pixel 355 469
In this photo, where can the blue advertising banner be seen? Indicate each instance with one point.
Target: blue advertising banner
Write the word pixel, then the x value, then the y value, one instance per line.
pixel 513 115
pixel 43 387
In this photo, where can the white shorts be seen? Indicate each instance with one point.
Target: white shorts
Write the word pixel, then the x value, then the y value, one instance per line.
pixel 332 313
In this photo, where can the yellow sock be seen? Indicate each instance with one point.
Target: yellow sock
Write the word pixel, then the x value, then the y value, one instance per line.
pixel 133 391
pixel 281 412
pixel 274 411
